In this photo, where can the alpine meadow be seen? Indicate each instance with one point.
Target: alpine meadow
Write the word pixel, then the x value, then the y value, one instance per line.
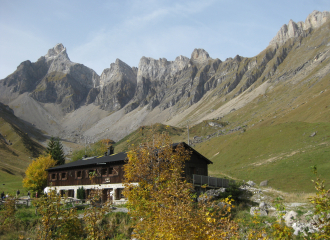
pixel 139 143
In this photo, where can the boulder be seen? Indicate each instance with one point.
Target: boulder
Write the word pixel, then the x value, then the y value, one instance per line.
pixel 257 211
pixel 290 217
pixel 313 134
pixel 211 194
pixel 251 183
pixel 264 183
pixel 263 205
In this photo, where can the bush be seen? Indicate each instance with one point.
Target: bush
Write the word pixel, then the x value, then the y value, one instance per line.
pixel 81 193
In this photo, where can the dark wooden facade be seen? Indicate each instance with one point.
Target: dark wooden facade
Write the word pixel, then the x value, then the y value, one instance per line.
pixel 103 174
pixel 108 172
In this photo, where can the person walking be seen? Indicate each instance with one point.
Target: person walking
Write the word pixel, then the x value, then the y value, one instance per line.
pixel 29 194
pixel 2 195
pixel 17 193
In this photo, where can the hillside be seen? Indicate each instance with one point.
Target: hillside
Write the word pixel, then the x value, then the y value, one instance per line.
pixel 253 117
pixel 70 100
pixel 17 149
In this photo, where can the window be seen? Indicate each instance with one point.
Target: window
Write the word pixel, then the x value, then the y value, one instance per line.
pixel 63 175
pixel 78 174
pixel 113 171
pixel 104 171
pixel 53 176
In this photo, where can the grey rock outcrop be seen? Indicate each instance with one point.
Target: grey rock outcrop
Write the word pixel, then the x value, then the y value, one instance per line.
pixel 251 183
pixel 200 57
pixel 65 83
pixel 290 218
pixel 26 77
pixel 313 134
pixel 294 30
pixel 117 86
pixel 264 183
pixel 155 78
pixel 163 90
pixel 211 194
pixel 158 70
pixel 316 19
pixel 62 89
pixel 59 61
pixel 118 71
pixel 256 211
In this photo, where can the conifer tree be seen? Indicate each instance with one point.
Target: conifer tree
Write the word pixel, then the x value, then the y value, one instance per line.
pixel 55 149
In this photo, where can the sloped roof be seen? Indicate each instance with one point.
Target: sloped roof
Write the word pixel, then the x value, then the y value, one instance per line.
pixel 92 161
pixel 194 151
pixel 118 157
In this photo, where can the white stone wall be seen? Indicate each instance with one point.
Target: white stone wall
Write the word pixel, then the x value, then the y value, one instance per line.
pixel 114 186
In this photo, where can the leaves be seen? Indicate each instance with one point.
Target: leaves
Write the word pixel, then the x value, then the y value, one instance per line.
pixel 36 174
pixel 58 221
pixel 94 214
pixel 321 205
pixel 161 202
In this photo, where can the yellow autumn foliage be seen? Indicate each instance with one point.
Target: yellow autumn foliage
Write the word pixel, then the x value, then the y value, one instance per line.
pixel 36 174
pixel 162 204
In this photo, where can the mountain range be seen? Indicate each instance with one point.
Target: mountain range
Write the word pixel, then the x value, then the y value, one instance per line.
pixel 72 101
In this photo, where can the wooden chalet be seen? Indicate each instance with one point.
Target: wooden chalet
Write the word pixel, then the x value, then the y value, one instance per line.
pixel 67 178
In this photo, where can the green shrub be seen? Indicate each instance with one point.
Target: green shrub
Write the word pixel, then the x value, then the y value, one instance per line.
pixel 81 193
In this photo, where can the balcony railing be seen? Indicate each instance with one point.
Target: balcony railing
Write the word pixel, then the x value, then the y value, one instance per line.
pixel 213 182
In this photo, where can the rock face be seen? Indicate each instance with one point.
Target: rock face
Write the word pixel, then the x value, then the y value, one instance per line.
pixel 294 30
pixel 117 86
pixel 154 78
pixel 164 89
pixel 59 61
pixel 53 79
pixel 26 76
pixel 200 57
pixel 62 89
pixel 155 83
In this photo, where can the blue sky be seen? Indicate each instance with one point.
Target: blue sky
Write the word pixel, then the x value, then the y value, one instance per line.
pixel 95 33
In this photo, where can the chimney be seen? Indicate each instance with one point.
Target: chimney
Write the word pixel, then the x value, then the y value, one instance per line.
pixel 110 150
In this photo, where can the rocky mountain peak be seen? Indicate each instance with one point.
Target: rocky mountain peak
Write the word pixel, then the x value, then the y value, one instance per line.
pixel 54 52
pixel 316 19
pixel 58 61
pixel 293 30
pixel 200 56
pixel 153 69
pixel 117 71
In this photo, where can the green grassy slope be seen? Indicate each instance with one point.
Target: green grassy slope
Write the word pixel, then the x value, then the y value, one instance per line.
pixel 281 153
pixel 276 145
pixel 143 132
pixel 17 150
